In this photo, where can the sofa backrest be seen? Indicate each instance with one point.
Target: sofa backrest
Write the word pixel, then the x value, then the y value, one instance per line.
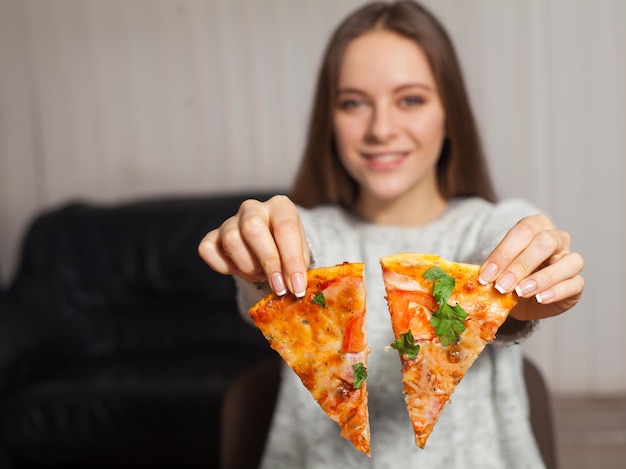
pixel 127 278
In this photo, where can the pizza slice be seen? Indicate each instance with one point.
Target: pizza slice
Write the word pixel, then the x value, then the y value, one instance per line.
pixel 442 318
pixel 322 338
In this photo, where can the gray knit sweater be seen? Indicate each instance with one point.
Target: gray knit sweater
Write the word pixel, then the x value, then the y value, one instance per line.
pixel 485 425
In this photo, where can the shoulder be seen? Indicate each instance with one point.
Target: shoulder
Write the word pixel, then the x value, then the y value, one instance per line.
pixel 330 230
pixel 481 225
pixel 325 219
pixel 514 207
pixel 481 214
pixel 328 213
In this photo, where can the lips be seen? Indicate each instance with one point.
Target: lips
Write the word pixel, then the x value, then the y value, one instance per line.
pixel 385 160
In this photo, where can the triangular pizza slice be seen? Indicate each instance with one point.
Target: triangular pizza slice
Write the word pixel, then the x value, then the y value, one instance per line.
pixel 322 338
pixel 442 318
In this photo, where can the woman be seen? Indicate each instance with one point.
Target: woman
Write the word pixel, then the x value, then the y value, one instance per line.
pixel 393 163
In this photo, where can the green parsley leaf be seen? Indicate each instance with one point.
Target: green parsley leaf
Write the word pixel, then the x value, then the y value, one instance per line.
pixel 319 299
pixel 360 373
pixel 406 345
pixel 448 320
pixel 443 286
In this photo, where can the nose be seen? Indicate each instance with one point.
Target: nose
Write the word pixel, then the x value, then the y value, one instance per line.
pixel 382 124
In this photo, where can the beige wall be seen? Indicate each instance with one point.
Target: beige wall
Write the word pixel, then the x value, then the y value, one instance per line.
pixel 112 99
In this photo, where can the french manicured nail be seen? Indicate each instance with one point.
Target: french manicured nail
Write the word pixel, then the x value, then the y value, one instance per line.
pixel 525 288
pixel 505 282
pixel 544 296
pixel 488 273
pixel 298 285
pixel 278 283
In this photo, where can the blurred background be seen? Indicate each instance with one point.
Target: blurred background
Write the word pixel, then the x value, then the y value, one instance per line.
pixel 112 100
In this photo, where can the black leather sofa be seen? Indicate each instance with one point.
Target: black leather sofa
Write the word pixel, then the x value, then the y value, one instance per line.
pixel 117 342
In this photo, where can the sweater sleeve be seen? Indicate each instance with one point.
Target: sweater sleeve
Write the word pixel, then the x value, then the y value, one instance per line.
pixel 248 293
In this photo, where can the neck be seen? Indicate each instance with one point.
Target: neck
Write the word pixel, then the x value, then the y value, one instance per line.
pixel 408 210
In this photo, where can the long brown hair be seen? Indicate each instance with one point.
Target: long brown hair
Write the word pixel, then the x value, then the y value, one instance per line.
pixel 461 168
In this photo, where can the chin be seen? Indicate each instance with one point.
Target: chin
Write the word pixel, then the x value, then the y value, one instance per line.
pixel 387 195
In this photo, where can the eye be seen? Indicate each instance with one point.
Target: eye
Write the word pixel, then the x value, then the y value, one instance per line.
pixel 410 101
pixel 352 103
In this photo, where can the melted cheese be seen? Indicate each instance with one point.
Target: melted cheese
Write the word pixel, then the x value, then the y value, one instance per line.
pixel 309 338
pixel 430 379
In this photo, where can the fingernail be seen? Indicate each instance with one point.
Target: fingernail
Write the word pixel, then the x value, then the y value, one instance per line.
pixel 505 282
pixel 278 283
pixel 526 287
pixel 488 273
pixel 298 285
pixel 544 296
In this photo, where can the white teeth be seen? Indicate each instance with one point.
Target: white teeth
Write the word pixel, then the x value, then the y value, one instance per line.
pixel 386 157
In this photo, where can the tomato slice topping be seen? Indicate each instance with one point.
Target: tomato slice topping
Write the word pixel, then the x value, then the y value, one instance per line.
pixel 406 306
pixel 354 336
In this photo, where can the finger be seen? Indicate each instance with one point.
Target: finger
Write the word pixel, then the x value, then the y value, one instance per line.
pixel 254 225
pixel 236 248
pixel 291 242
pixel 569 266
pixel 545 248
pixel 551 302
pixel 210 251
pixel 567 289
pixel 274 234
pixel 506 266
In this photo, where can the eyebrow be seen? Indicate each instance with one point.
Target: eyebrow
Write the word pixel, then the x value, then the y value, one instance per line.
pixel 395 90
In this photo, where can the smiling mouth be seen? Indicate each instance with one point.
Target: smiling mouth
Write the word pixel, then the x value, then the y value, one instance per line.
pixel 385 158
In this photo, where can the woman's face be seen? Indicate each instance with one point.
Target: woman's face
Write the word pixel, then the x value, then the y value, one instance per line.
pixel 389 122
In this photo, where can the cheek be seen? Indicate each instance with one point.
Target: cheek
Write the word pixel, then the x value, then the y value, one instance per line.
pixel 348 131
pixel 346 140
pixel 431 130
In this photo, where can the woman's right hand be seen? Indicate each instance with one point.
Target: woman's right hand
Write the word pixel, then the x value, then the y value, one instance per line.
pixel 264 240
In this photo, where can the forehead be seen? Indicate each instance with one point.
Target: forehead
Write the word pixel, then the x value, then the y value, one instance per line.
pixel 384 58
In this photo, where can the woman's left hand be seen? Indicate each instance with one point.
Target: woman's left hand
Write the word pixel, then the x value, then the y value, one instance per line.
pixel 535 261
